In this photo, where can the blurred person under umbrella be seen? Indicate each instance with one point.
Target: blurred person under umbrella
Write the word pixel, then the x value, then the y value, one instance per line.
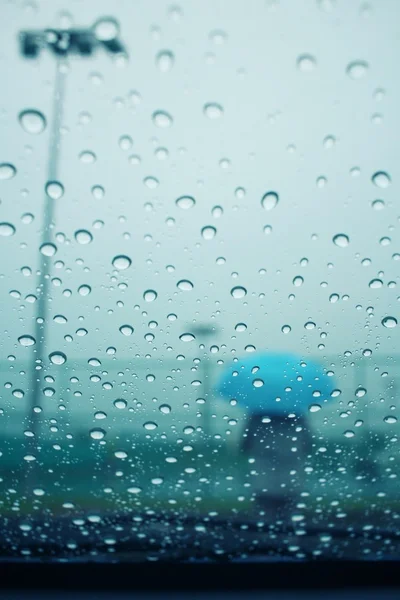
pixel 278 391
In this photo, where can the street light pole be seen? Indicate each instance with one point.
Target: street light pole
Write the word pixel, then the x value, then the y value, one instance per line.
pixel 61 43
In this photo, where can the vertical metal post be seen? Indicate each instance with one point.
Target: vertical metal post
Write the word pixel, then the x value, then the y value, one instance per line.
pixel 45 261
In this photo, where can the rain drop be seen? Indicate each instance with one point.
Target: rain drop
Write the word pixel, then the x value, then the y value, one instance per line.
pixel 150 425
pixel 357 69
pixel 187 337
pixel 162 119
pixel 257 383
pixel 54 189
pixel 375 283
pixel 212 110
pixel 120 403
pixel 306 63
pixel 238 292
pixel 298 281
pixel 381 179
pixel 106 29
pixel 208 232
pixel 165 60
pixel 389 322
pixel 97 434
pixel 185 202
pixel 121 262
pixel 185 285
pixel 7 171
pixel 6 229
pixel 341 240
pixel 88 157
pixel 26 340
pixel 32 121
pixel 83 236
pixel 269 200
pixel 57 358
pixel 126 330
pixel 378 204
pixel 149 295
pixel 390 419
pixel 84 290
pixel 48 249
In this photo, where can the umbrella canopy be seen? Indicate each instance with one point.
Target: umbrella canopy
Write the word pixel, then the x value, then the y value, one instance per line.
pixel 276 384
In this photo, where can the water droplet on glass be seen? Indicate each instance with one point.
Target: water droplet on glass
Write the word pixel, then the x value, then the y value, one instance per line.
pixel 310 325
pixel 378 204
pixel 381 179
pixel 341 240
pixel 120 454
pixel 212 110
pixel 185 202
pixel 333 298
pixel 306 63
pixel 125 142
pixel 357 69
pixel 97 434
pixel 27 218
pixel 217 212
pixel 121 262
pixel 60 319
pixel 185 285
pixel 83 236
pixel 84 290
pixel 269 200
pixel 150 425
pixel 54 189
pixel 126 330
pixel 150 295
pixel 48 249
pixel 88 157
pixel 208 232
pixel 238 292
pixel 349 433
pixel 57 358
pixel 120 403
pixel 298 281
pixel 162 119
pixel 7 171
pixel 257 383
pixel 389 322
pixel 187 337
pixel 314 408
pixel 165 409
pixel 26 340
pixel 390 419
pixel 375 283
pixel 100 415
pixel 151 182
pixel 360 392
pixel 329 142
pixel 32 121
pixel 286 329
pixel 98 192
pixel 106 29
pixel 165 60
pixel 6 229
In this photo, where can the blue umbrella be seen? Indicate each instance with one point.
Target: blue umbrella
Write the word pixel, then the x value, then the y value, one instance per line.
pixel 276 384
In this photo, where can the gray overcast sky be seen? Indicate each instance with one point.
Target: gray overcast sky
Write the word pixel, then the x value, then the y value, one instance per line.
pixel 270 136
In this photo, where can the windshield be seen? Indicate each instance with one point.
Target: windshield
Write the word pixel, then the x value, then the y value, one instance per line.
pixel 200 255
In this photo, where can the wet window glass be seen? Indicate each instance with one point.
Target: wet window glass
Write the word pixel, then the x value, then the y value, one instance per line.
pixel 200 252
